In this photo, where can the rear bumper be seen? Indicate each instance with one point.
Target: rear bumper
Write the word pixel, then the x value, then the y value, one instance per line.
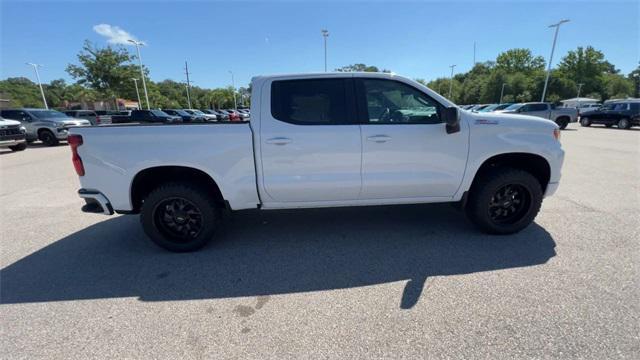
pixel 96 202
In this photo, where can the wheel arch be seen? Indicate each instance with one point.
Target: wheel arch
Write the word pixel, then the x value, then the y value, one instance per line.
pixel 535 164
pixel 150 178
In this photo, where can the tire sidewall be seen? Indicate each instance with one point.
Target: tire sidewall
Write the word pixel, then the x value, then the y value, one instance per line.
pixel 199 197
pixel 480 200
pixel 623 123
pixel 48 138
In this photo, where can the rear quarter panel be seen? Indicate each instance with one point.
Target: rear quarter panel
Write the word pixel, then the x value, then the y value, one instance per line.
pixel 113 155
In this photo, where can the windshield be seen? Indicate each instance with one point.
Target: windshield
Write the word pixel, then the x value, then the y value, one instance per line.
pixel 489 108
pixel 514 107
pixel 198 112
pixel 158 113
pixel 181 112
pixel 48 114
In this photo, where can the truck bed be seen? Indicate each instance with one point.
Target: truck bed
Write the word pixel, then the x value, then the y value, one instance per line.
pixel 112 155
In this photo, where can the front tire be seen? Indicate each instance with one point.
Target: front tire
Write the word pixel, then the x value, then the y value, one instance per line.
pixel 48 138
pixel 180 217
pixel 19 147
pixel 624 124
pixel 562 123
pixel 585 122
pixel 504 201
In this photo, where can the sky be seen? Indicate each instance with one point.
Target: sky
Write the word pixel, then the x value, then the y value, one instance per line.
pixel 418 39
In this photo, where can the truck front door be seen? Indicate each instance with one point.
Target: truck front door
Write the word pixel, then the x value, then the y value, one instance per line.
pixel 309 140
pixel 406 152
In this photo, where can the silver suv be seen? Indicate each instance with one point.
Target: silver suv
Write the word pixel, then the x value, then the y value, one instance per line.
pixel 48 126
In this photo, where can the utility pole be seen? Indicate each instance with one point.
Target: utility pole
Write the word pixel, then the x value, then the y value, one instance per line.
pixel 186 71
pixel 451 81
pixel 578 96
pixel 474 53
pixel 502 92
pixel 233 84
pixel 135 81
pixel 144 83
pixel 325 35
pixel 35 67
pixel 553 47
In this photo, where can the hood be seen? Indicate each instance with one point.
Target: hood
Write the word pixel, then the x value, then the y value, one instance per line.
pixel 71 121
pixel 7 122
pixel 512 120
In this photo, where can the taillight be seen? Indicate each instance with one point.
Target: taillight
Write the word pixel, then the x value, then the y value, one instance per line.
pixel 98 119
pixel 75 141
pixel 556 134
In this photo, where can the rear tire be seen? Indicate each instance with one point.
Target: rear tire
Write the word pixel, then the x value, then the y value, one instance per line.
pixel 562 123
pixel 19 147
pixel 48 138
pixel 624 123
pixel 585 122
pixel 504 201
pixel 180 217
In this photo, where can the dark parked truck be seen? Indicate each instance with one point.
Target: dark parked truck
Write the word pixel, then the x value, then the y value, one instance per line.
pixel 624 114
pixel 146 116
pixel 561 116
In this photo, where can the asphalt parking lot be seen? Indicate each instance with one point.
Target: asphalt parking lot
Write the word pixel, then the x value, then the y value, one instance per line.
pixel 383 282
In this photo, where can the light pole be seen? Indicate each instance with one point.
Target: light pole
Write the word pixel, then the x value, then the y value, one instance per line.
pixel 502 92
pixel 553 47
pixel 35 67
pixel 233 84
pixel 451 81
pixel 325 35
pixel 135 81
pixel 144 83
pixel 578 96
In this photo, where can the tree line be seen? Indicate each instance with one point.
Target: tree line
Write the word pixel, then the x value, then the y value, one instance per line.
pixel 105 74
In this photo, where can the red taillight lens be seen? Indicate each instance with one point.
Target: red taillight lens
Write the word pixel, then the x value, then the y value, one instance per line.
pixel 98 119
pixel 75 141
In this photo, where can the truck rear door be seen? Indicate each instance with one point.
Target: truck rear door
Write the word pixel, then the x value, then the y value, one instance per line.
pixel 310 142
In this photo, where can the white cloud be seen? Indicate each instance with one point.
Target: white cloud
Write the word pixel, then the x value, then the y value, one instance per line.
pixel 114 34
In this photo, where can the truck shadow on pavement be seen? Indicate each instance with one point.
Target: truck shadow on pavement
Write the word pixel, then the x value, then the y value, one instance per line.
pixel 272 252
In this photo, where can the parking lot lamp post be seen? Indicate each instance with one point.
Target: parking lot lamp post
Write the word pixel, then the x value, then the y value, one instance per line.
pixel 325 35
pixel 451 81
pixel 502 92
pixel 553 47
pixel 233 85
pixel 135 81
pixel 578 96
pixel 144 83
pixel 35 67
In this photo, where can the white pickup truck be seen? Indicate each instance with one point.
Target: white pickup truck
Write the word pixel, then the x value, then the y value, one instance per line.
pixel 321 140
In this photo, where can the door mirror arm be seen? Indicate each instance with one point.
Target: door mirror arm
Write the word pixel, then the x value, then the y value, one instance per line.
pixel 451 117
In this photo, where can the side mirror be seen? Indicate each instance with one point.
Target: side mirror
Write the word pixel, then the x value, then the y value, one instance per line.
pixel 451 117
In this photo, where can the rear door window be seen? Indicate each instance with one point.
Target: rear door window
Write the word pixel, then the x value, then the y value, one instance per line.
pixel 310 101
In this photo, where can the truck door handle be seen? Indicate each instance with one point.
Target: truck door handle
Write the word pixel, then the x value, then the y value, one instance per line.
pixel 278 141
pixel 379 138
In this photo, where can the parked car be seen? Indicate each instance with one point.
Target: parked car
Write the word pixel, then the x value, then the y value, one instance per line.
pixel 311 148
pixel 146 116
pixel 478 107
pixel 561 116
pixel 226 116
pixel 624 114
pixel 186 117
pixel 48 126
pixel 93 116
pixel 241 116
pixel 219 116
pixel 207 117
pixel 502 106
pixel 233 115
pixel 489 108
pixel 12 135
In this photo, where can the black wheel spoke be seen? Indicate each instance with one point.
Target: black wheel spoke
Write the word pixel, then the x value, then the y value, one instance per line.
pixel 509 204
pixel 179 219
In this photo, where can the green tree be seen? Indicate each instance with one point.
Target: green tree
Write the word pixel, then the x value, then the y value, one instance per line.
pixel 361 68
pixel 21 91
pixel 519 60
pixel 108 71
